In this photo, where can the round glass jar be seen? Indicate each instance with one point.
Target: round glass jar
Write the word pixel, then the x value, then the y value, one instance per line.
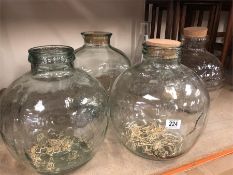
pixel 98 58
pixel 158 108
pixel 54 117
pixel 202 62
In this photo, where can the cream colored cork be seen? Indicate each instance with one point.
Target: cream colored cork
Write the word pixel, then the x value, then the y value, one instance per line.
pixel 195 31
pixel 168 51
pixel 165 43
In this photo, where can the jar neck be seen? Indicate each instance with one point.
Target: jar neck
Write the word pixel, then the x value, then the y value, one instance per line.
pixel 194 43
pixel 159 55
pixel 51 61
pixel 96 39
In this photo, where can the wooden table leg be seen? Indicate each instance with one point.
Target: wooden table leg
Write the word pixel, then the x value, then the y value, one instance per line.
pixel 227 38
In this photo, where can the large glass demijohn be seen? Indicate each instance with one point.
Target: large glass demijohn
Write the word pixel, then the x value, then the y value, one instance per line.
pixel 100 59
pixel 203 63
pixel 159 107
pixel 54 117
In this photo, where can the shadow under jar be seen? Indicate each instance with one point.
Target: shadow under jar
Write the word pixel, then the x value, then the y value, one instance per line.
pixel 159 107
pixel 203 63
pixel 54 117
pixel 98 58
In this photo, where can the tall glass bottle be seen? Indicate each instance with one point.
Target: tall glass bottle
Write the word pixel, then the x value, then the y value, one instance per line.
pixel 98 58
pixel 205 64
pixel 54 117
pixel 159 107
pixel 144 35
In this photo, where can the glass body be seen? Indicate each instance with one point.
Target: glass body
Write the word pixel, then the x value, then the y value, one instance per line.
pixel 159 107
pixel 203 63
pixel 100 59
pixel 54 117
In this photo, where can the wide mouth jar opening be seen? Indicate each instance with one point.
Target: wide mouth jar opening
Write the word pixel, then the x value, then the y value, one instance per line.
pixel 96 38
pixel 194 37
pixel 161 53
pixel 97 34
pixel 50 54
pixel 203 38
pixel 194 42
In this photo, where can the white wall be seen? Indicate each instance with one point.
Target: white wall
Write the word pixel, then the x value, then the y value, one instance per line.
pixel 28 23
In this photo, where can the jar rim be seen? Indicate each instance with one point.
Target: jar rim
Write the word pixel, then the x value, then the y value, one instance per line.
pixel 196 38
pixel 49 54
pixel 161 48
pixel 48 49
pixel 96 33
pixel 164 53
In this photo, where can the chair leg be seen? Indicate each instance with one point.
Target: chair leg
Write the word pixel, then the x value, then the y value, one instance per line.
pixel 227 38
pixel 147 6
pixel 176 22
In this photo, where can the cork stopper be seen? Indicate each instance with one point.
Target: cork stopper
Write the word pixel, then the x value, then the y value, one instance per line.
pixel 195 32
pixel 163 43
pixel 163 48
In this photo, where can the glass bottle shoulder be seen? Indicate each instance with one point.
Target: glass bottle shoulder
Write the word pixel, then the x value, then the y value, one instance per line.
pixel 77 80
pixel 160 85
pixel 146 76
pixel 206 65
pixel 107 54
pixel 197 58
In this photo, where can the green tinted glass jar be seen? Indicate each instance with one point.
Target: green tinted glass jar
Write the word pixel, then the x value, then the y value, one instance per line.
pixel 54 117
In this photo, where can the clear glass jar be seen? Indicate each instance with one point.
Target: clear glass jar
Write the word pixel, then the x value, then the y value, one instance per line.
pixel 159 107
pixel 202 62
pixel 100 59
pixel 143 36
pixel 54 117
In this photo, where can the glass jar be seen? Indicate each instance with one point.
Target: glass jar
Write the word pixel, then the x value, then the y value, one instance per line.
pixel 143 36
pixel 205 64
pixel 98 58
pixel 54 117
pixel 159 107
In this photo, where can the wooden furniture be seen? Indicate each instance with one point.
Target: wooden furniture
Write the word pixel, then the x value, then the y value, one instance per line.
pixel 192 13
pixel 185 13
pixel 228 39
pixel 158 8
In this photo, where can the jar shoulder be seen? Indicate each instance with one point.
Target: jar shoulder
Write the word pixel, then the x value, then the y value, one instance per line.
pixel 146 72
pixel 194 58
pixel 77 81
pixel 144 79
pixel 107 54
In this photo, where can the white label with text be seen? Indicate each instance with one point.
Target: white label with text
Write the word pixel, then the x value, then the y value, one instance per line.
pixel 173 124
